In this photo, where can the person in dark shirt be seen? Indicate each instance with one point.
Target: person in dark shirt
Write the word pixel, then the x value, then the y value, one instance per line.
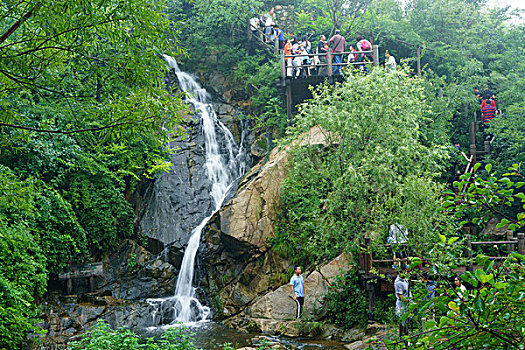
pixel 322 48
pixel 478 95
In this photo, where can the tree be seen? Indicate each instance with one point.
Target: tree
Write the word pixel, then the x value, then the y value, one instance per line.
pixel 375 168
pixel 99 62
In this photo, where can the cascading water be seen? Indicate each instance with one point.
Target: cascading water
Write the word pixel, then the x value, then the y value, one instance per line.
pixel 223 167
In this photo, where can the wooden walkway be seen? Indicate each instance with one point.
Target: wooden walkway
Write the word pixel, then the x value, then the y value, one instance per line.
pixel 380 272
pixel 87 271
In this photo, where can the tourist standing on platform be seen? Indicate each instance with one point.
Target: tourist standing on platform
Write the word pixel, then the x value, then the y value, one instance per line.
pixel 338 44
pixel 297 284
pixel 279 34
pixel 478 95
pixel 254 24
pixel 402 291
pixel 307 44
pixel 352 57
pixel 364 57
pixel 269 21
pixel 288 60
pixel 488 110
pixel 459 284
pixel 322 48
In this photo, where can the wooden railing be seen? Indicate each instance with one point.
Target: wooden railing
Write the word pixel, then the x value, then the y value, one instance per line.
pixel 367 263
pixel 88 271
pixel 329 63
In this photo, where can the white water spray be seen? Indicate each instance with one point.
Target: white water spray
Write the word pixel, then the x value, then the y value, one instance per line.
pixel 222 173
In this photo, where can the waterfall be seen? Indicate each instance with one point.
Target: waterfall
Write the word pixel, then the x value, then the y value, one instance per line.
pixel 224 164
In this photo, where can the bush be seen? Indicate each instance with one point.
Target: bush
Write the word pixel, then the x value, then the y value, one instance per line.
pixel 102 337
pixel 346 302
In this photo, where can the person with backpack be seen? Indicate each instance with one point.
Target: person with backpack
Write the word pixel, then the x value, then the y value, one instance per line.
pixel 338 44
pixel 364 45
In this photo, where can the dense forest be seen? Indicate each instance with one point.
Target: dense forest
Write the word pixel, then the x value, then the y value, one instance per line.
pixel 85 116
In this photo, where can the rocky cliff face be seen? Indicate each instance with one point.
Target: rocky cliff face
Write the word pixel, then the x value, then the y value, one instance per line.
pixel 244 277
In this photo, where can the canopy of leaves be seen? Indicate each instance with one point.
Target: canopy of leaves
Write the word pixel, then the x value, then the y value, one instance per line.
pixel 374 167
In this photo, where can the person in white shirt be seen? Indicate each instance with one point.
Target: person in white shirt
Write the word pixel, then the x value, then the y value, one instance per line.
pixel 254 25
pixel 390 61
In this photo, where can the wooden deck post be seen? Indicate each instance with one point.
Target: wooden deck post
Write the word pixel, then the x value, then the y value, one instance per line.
pixel 486 146
pixel 368 256
pixel 521 243
pixel 473 142
pixel 371 299
pixel 277 44
pixel 510 247
pixel 69 286
pixel 283 66
pixel 470 266
pixel 418 54
pixel 329 62
pixel 375 52
pixel 289 101
pixel 476 120
pixel 249 27
pixel 472 133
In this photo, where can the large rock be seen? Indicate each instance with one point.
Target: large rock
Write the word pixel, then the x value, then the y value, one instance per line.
pixel 239 266
pixel 251 215
pixel 272 312
pixel 492 231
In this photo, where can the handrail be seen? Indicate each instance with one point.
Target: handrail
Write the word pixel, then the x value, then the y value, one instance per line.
pixel 366 260
pixel 329 64
pixel 325 54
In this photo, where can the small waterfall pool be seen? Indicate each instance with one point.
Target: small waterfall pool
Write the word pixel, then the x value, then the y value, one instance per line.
pixel 212 336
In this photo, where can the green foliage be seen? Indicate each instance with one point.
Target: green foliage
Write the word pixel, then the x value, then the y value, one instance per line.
pixel 23 278
pixel 490 313
pixel 102 337
pixel 479 199
pixel 87 53
pixel 346 302
pixel 370 166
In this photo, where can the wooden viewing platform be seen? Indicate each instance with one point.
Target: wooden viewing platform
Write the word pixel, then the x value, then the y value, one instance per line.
pixel 88 271
pixel 297 88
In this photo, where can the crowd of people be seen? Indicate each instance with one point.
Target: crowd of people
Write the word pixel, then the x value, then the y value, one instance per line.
pixel 304 59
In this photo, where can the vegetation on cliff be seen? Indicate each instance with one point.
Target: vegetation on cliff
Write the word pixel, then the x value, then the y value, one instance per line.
pixel 84 114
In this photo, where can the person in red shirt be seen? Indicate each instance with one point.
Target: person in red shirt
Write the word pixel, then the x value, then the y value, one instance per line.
pixel 484 103
pixel 288 52
pixel 488 110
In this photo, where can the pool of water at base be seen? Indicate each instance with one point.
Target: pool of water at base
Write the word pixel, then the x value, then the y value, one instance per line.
pixel 212 336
